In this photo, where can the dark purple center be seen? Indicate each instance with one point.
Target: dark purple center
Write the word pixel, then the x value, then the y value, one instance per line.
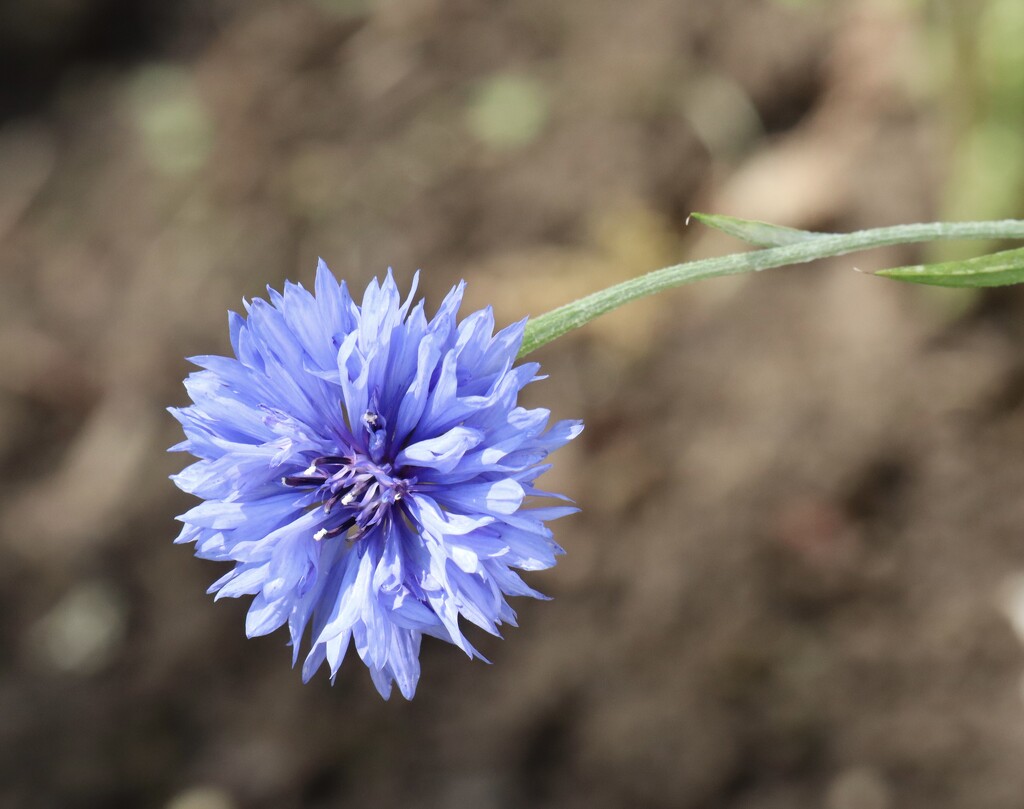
pixel 357 491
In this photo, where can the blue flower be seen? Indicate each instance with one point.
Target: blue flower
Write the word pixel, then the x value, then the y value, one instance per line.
pixel 366 470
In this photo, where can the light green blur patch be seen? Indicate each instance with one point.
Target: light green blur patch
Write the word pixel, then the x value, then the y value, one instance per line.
pixel 1001 57
pixel 508 111
pixel 175 130
pixel 799 4
pixel 345 9
pixel 984 95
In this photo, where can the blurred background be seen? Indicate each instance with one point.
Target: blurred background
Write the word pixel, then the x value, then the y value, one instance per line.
pixel 798 577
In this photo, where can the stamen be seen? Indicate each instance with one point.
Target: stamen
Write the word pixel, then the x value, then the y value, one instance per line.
pixel 362 488
pixel 300 480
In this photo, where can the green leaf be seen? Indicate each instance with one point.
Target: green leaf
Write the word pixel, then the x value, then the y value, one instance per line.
pixel 761 234
pixel 994 270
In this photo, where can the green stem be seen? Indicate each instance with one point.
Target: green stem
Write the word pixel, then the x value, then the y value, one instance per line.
pixel 545 328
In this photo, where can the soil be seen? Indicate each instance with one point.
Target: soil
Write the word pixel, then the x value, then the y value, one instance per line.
pixel 797 577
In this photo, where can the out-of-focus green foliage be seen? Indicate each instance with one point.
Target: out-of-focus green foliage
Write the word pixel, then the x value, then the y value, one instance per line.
pixel 345 8
pixel 508 111
pixel 980 43
pixel 173 125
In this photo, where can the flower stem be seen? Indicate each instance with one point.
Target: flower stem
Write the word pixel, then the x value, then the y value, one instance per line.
pixel 546 327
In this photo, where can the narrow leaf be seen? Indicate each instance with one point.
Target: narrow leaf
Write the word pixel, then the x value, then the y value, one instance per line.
pixel 994 270
pixel 761 234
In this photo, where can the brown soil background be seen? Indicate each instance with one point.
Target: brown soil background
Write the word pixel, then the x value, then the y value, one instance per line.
pixel 797 570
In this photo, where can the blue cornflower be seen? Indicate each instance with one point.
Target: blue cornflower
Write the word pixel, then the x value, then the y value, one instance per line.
pixel 365 469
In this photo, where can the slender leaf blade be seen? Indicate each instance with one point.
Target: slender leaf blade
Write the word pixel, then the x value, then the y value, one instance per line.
pixel 761 234
pixel 993 270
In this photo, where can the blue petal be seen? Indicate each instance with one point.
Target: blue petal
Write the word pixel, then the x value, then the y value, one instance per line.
pixel 497 497
pixel 442 453
pixel 325 398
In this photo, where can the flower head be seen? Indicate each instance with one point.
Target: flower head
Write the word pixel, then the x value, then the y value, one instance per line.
pixel 365 469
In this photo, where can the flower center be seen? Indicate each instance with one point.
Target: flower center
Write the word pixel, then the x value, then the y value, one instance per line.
pixel 357 492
